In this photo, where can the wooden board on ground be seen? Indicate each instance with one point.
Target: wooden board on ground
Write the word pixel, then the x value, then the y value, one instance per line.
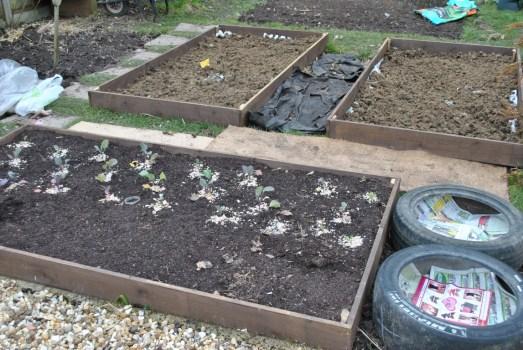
pixel 105 95
pixel 455 146
pixel 190 303
pixel 414 167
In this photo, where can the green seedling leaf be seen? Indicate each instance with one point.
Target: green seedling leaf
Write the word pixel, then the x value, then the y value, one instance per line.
pixel 194 197
pixel 104 145
pixel 122 300
pixel 248 170
pixel 111 163
pixel 149 176
pixel 207 173
pixel 16 152
pixel 101 178
pixel 343 206
pixel 162 176
pixel 12 175
pixel 204 183
pixel 144 148
pixel 275 204
pixel 268 189
pixel 153 157
pixel 258 191
pixel 56 148
pixel 58 161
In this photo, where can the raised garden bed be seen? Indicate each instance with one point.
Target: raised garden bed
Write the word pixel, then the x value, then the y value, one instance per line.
pixel 205 241
pixel 447 98
pixel 245 69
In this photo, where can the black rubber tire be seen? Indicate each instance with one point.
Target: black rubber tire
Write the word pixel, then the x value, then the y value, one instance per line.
pixel 401 325
pixel 117 9
pixel 408 231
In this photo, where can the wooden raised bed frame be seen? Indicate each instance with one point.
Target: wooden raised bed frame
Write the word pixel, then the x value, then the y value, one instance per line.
pixel 190 303
pixel 448 145
pixel 105 95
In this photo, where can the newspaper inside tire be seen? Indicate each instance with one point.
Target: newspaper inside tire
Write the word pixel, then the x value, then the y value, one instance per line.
pixel 402 325
pixel 409 229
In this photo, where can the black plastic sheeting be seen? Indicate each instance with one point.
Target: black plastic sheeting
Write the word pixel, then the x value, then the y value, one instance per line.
pixel 304 101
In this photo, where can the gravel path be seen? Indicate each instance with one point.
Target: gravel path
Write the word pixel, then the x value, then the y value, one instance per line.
pixel 35 317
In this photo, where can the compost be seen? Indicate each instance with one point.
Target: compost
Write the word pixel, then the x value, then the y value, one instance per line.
pixel 219 236
pixel 238 67
pixel 463 94
pixel 304 101
pixel 83 51
pixel 369 15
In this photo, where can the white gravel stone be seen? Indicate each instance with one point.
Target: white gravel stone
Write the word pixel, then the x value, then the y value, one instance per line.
pixel 36 317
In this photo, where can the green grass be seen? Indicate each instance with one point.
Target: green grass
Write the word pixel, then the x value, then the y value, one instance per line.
pixel 492 23
pixel 515 188
pixel 80 108
pixel 95 79
pixel 6 128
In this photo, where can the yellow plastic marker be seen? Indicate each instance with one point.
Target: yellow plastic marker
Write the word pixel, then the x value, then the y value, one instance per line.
pixel 205 63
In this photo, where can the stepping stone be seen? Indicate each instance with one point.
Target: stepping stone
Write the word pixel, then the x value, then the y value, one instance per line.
pixel 117 71
pixel 414 167
pixel 78 90
pixel 54 121
pixel 14 118
pixel 144 135
pixel 167 40
pixel 143 55
pixel 188 27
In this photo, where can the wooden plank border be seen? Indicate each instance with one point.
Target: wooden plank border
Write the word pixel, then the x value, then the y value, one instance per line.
pixel 448 145
pixel 190 303
pixel 107 97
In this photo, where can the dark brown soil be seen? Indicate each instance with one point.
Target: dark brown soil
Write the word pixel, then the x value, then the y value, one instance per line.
pixel 296 271
pixel 83 51
pixel 461 94
pixel 247 64
pixel 369 15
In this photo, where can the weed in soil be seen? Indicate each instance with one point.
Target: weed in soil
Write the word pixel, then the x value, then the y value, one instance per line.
pixel 239 67
pixel 463 94
pixel 282 270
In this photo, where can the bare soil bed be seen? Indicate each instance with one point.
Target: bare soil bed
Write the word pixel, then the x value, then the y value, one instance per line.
pixel 240 66
pixel 370 15
pixel 84 49
pixel 202 227
pixel 463 94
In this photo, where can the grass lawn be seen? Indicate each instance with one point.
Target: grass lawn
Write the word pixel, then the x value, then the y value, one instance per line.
pixel 80 108
pixel 515 188
pixel 6 127
pixel 95 79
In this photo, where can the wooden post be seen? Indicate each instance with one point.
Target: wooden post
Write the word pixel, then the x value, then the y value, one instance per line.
pixel 6 4
pixel 56 5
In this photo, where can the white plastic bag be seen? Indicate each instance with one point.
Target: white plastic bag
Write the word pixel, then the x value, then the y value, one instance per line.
pixel 7 65
pixel 41 95
pixel 14 85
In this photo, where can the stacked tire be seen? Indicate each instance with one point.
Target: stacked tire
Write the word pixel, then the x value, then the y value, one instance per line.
pixel 400 323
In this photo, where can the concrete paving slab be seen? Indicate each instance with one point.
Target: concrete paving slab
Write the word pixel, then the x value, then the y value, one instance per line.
pixel 415 168
pixel 144 135
pixel 167 40
pixel 143 55
pixel 117 71
pixel 54 121
pixel 78 90
pixel 196 28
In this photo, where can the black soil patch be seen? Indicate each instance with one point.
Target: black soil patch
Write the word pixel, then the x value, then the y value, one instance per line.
pixel 240 66
pixel 463 94
pixel 298 270
pixel 81 52
pixel 369 15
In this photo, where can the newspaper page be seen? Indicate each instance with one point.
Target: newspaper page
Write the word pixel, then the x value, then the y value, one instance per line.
pixel 464 306
pixel 503 304
pixel 443 215
pixel 409 280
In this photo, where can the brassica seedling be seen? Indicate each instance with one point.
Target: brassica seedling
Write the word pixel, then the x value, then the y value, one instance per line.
pixel 343 206
pixel 248 170
pixel 275 204
pixel 151 177
pixel 16 153
pixel 260 190
pixel 110 164
pixel 104 145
